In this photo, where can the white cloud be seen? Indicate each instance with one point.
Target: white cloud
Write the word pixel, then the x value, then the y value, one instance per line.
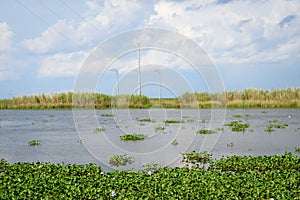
pixel 236 31
pixel 5 37
pixel 103 19
pixel 62 64
pixel 60 36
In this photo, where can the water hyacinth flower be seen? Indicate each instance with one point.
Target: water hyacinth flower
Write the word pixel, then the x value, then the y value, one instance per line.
pixel 150 172
pixel 113 193
pixel 102 173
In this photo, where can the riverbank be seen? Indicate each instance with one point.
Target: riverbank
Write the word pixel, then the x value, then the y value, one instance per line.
pixel 257 177
pixel 249 98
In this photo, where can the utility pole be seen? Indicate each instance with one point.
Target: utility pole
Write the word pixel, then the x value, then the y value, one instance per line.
pixel 117 73
pixel 160 93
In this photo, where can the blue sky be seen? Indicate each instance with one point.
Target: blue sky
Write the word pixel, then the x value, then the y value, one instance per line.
pixel 43 44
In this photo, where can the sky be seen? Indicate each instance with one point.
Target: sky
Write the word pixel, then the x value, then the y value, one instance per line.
pixel 45 44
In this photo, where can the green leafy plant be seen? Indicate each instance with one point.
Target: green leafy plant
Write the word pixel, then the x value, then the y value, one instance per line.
pixel 273 121
pixel 230 144
pixel 190 120
pixel 34 142
pixel 146 120
pixel 120 160
pixel 174 142
pixel 133 137
pixel 297 149
pixel 151 167
pixel 159 128
pixel 206 131
pixel 107 115
pixel 237 126
pixel 168 121
pixel 237 116
pixel 100 129
pixel 233 177
pixel 220 129
pixel 197 158
pixel 272 125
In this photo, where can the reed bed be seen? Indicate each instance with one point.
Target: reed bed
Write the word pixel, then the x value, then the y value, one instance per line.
pixel 249 98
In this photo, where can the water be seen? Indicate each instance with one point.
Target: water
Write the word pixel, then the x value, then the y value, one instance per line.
pixel 65 140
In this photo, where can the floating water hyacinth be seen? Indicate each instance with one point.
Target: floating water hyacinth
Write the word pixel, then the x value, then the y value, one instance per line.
pixel 146 120
pixel 34 142
pixel 101 129
pixel 133 137
pixel 174 142
pixel 206 131
pixel 120 160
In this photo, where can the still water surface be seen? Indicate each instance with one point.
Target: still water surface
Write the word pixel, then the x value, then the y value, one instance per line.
pixel 61 142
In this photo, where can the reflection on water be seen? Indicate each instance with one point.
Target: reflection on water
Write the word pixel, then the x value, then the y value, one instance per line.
pixel 60 141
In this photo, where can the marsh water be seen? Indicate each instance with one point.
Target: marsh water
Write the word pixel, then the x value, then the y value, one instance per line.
pixel 71 137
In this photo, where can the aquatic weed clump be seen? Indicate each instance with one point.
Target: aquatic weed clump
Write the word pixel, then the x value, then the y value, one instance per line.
pixel 257 177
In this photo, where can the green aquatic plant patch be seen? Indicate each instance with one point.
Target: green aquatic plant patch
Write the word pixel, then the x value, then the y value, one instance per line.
pixel 170 121
pixel 271 127
pixel 230 178
pixel 107 115
pixel 237 116
pixel 197 157
pixel 100 129
pixel 133 137
pixel 237 126
pixel 174 142
pixel 159 128
pixel 146 120
pixel 120 160
pixel 34 142
pixel 206 131
pixel 260 163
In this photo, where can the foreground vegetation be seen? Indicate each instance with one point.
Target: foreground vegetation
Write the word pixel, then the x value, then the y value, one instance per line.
pixel 249 98
pixel 250 177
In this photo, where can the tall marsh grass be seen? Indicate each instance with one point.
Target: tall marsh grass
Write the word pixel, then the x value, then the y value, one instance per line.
pixel 249 98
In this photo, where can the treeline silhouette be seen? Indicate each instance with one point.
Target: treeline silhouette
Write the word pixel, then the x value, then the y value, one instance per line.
pixel 249 98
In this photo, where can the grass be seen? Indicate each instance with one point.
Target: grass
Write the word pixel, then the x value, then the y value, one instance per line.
pixel 206 131
pixel 34 142
pixel 133 137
